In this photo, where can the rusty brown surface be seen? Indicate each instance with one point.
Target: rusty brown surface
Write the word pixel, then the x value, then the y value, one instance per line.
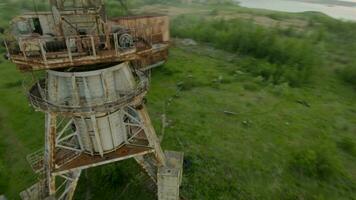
pixel 49 158
pixel 140 138
pixel 42 104
pixel 86 160
pixel 151 35
pixel 106 56
pixel 151 135
pixel 158 23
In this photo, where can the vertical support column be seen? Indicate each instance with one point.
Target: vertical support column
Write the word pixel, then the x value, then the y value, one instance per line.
pixel 151 136
pixel 93 46
pixel 69 50
pixel 22 49
pixel 43 52
pixel 97 136
pixel 116 43
pixel 75 92
pixel 49 155
pixel 71 186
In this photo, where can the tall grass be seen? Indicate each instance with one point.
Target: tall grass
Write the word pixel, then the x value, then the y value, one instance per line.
pixel 284 59
pixel 340 39
pixel 348 74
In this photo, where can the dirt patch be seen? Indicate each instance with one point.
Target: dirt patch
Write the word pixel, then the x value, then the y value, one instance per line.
pixel 169 10
pixel 264 20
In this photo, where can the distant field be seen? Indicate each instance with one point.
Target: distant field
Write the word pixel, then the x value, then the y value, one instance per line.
pixel 245 136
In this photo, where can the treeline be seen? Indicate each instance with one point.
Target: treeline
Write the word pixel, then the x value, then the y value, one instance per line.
pixel 342 41
pixel 273 55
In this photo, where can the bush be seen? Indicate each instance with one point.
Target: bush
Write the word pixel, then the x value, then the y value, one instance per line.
pixel 214 12
pixel 250 86
pixel 285 59
pixel 348 74
pixel 281 89
pixel 315 163
pixel 217 2
pixel 348 145
pixel 13 84
pixel 189 84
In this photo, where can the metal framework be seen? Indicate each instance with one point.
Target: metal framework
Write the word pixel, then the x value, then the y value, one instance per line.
pixel 64 157
pixel 92 94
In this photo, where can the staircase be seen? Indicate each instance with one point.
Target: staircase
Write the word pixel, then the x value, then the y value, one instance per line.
pixel 148 163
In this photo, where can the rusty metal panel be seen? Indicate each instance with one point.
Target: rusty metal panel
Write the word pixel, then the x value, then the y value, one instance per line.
pixel 124 81
pixel 159 25
pixel 47 24
pixel 106 132
pixel 85 161
pixel 110 130
pixel 90 87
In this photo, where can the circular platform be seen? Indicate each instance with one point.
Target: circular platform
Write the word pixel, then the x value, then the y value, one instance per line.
pixel 93 91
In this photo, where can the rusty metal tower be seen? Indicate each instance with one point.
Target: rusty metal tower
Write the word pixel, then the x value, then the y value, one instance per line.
pixel 95 78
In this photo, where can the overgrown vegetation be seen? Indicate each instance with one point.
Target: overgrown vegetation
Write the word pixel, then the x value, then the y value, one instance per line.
pixel 274 56
pixel 340 42
pixel 320 164
pixel 348 145
pixel 349 74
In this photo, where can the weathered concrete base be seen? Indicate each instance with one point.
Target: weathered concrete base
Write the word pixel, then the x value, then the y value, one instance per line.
pixel 169 177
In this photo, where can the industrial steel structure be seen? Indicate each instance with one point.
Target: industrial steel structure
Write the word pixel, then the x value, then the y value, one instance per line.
pixel 96 76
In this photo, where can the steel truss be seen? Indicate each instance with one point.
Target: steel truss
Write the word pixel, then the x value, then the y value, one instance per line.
pixel 63 147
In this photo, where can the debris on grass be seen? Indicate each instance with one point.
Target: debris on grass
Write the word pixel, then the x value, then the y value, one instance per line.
pixel 229 112
pixel 189 42
pixel 304 103
pixel 247 123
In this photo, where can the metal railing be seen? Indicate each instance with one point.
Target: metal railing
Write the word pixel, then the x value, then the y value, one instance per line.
pixel 46 50
pixel 39 98
pixel 35 160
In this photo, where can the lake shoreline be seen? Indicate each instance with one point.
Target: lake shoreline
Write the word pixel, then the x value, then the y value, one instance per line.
pixel 345 13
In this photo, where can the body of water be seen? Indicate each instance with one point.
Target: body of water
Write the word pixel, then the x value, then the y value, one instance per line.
pixel 333 10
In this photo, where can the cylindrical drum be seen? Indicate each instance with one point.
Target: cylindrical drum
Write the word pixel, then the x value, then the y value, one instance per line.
pixel 89 88
pixel 101 134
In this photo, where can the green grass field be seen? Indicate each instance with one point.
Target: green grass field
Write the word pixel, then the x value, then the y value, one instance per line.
pixel 244 137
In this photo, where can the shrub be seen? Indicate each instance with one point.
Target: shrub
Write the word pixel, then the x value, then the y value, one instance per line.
pixel 348 74
pixel 315 163
pixel 165 71
pixel 285 59
pixel 276 16
pixel 281 89
pixel 250 86
pixel 5 177
pixel 218 2
pixel 189 84
pixel 214 12
pixel 13 84
pixel 348 145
